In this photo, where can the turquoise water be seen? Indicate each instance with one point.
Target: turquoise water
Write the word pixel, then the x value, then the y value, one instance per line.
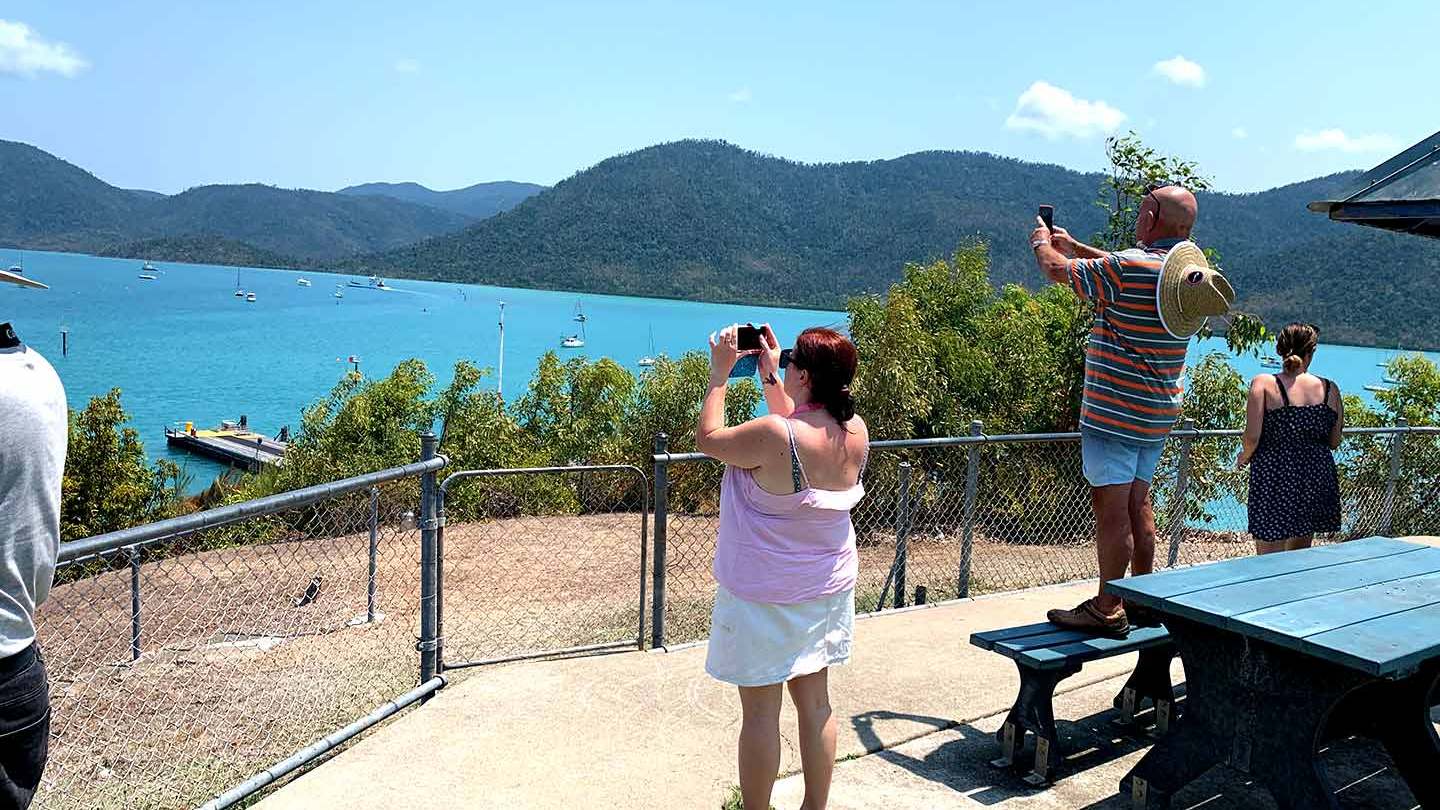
pixel 184 348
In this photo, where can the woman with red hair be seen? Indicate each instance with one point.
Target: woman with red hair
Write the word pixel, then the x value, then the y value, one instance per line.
pixel 785 556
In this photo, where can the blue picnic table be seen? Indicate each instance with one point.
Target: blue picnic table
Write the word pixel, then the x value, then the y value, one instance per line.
pixel 1285 651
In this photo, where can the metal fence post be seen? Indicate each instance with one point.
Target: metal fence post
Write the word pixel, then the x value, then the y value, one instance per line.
pixel 1397 445
pixel 972 486
pixel 428 581
pixel 902 534
pixel 374 549
pixel 1177 498
pixel 134 554
pixel 661 512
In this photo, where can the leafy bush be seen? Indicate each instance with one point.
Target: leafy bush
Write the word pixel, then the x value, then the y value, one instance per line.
pixel 108 483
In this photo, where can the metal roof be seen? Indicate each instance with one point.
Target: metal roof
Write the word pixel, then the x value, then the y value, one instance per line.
pixel 1401 194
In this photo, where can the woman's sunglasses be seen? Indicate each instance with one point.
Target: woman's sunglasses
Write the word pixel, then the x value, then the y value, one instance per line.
pixel 787 356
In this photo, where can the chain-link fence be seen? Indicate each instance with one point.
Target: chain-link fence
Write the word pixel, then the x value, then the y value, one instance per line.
pixel 190 654
pixel 962 516
pixel 543 561
pixel 185 656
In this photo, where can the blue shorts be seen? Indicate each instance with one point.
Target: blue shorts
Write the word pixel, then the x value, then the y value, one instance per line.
pixel 1109 460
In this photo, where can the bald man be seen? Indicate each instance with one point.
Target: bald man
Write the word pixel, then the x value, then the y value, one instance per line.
pixel 1133 369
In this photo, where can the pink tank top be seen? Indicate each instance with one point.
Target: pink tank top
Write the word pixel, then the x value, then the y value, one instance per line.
pixel 784 549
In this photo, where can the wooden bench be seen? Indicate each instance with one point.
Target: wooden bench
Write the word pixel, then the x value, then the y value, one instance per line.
pixel 1046 655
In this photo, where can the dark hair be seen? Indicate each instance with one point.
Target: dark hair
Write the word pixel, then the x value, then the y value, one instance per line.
pixel 830 359
pixel 1297 342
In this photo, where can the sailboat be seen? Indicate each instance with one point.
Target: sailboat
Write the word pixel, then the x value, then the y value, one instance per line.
pixel 339 291
pixel 302 282
pixel 18 268
pixel 239 293
pixel 148 272
pixel 1386 362
pixel 576 341
pixel 648 360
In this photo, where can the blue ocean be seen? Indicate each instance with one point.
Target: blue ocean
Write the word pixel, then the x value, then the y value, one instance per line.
pixel 183 347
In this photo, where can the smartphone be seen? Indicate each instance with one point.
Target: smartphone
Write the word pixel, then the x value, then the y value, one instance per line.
pixel 745 366
pixel 1047 215
pixel 748 338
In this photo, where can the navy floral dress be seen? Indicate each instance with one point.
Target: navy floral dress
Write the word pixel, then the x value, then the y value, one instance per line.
pixel 1294 489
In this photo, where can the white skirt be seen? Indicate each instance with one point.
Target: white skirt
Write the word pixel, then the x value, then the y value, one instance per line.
pixel 758 644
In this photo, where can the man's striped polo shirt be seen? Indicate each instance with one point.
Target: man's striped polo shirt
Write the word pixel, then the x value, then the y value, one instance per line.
pixel 1133 366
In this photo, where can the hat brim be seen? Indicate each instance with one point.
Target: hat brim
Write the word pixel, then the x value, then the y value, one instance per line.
pixel 16 278
pixel 1167 292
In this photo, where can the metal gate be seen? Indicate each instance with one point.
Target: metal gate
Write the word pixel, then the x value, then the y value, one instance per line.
pixel 540 562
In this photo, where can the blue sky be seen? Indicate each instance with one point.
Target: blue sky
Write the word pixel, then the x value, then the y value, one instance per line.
pixel 324 94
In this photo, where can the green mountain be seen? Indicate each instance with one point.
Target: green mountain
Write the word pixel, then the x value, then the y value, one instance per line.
pixel 705 219
pixel 478 201
pixel 305 224
pixel 47 203
pixel 201 249
pixel 44 200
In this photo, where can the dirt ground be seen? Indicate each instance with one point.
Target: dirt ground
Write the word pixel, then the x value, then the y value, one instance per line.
pixel 234 675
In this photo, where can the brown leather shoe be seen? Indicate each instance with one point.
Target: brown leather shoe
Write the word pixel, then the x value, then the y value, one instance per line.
pixel 1089 618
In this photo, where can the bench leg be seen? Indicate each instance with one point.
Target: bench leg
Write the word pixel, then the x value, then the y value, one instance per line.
pixel 1409 737
pixel 1150 681
pixel 1033 711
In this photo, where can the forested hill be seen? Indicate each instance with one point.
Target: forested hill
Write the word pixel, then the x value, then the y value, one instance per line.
pixel 705 219
pixel 48 203
pixel 478 201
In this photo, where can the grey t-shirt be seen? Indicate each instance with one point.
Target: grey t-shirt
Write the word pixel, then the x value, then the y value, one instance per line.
pixel 33 433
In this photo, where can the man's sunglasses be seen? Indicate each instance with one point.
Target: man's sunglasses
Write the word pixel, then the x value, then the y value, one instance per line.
pixel 787 356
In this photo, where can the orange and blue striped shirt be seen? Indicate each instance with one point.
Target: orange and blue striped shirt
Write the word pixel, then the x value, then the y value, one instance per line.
pixel 1133 366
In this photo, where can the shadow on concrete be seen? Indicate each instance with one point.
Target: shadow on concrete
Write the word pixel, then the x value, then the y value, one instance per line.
pixel 963 762
pixel 1359 770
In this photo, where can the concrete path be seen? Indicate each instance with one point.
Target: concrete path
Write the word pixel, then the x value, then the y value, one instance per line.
pixel 652 730
pixel 950 769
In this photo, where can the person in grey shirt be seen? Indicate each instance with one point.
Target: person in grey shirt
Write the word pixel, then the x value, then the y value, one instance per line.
pixel 33 434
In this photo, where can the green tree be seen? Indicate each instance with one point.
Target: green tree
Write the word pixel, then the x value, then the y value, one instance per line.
pixel 575 410
pixel 362 426
pixel 108 483
pixel 1215 397
pixel 1365 461
pixel 667 400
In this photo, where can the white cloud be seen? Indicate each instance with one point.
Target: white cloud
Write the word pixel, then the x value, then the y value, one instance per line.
pixel 1337 140
pixel 1053 112
pixel 741 96
pixel 407 66
pixel 1182 71
pixel 25 53
pixel 1239 133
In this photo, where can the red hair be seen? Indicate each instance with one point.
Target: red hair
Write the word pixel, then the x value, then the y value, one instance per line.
pixel 830 359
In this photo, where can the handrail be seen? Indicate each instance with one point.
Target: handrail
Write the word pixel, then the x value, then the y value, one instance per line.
pixel 1038 438
pixel 224 515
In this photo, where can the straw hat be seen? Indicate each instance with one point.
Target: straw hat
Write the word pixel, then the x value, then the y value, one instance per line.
pixel 1190 291
pixel 16 278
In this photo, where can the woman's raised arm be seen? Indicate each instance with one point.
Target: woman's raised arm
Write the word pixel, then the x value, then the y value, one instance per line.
pixel 747 445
